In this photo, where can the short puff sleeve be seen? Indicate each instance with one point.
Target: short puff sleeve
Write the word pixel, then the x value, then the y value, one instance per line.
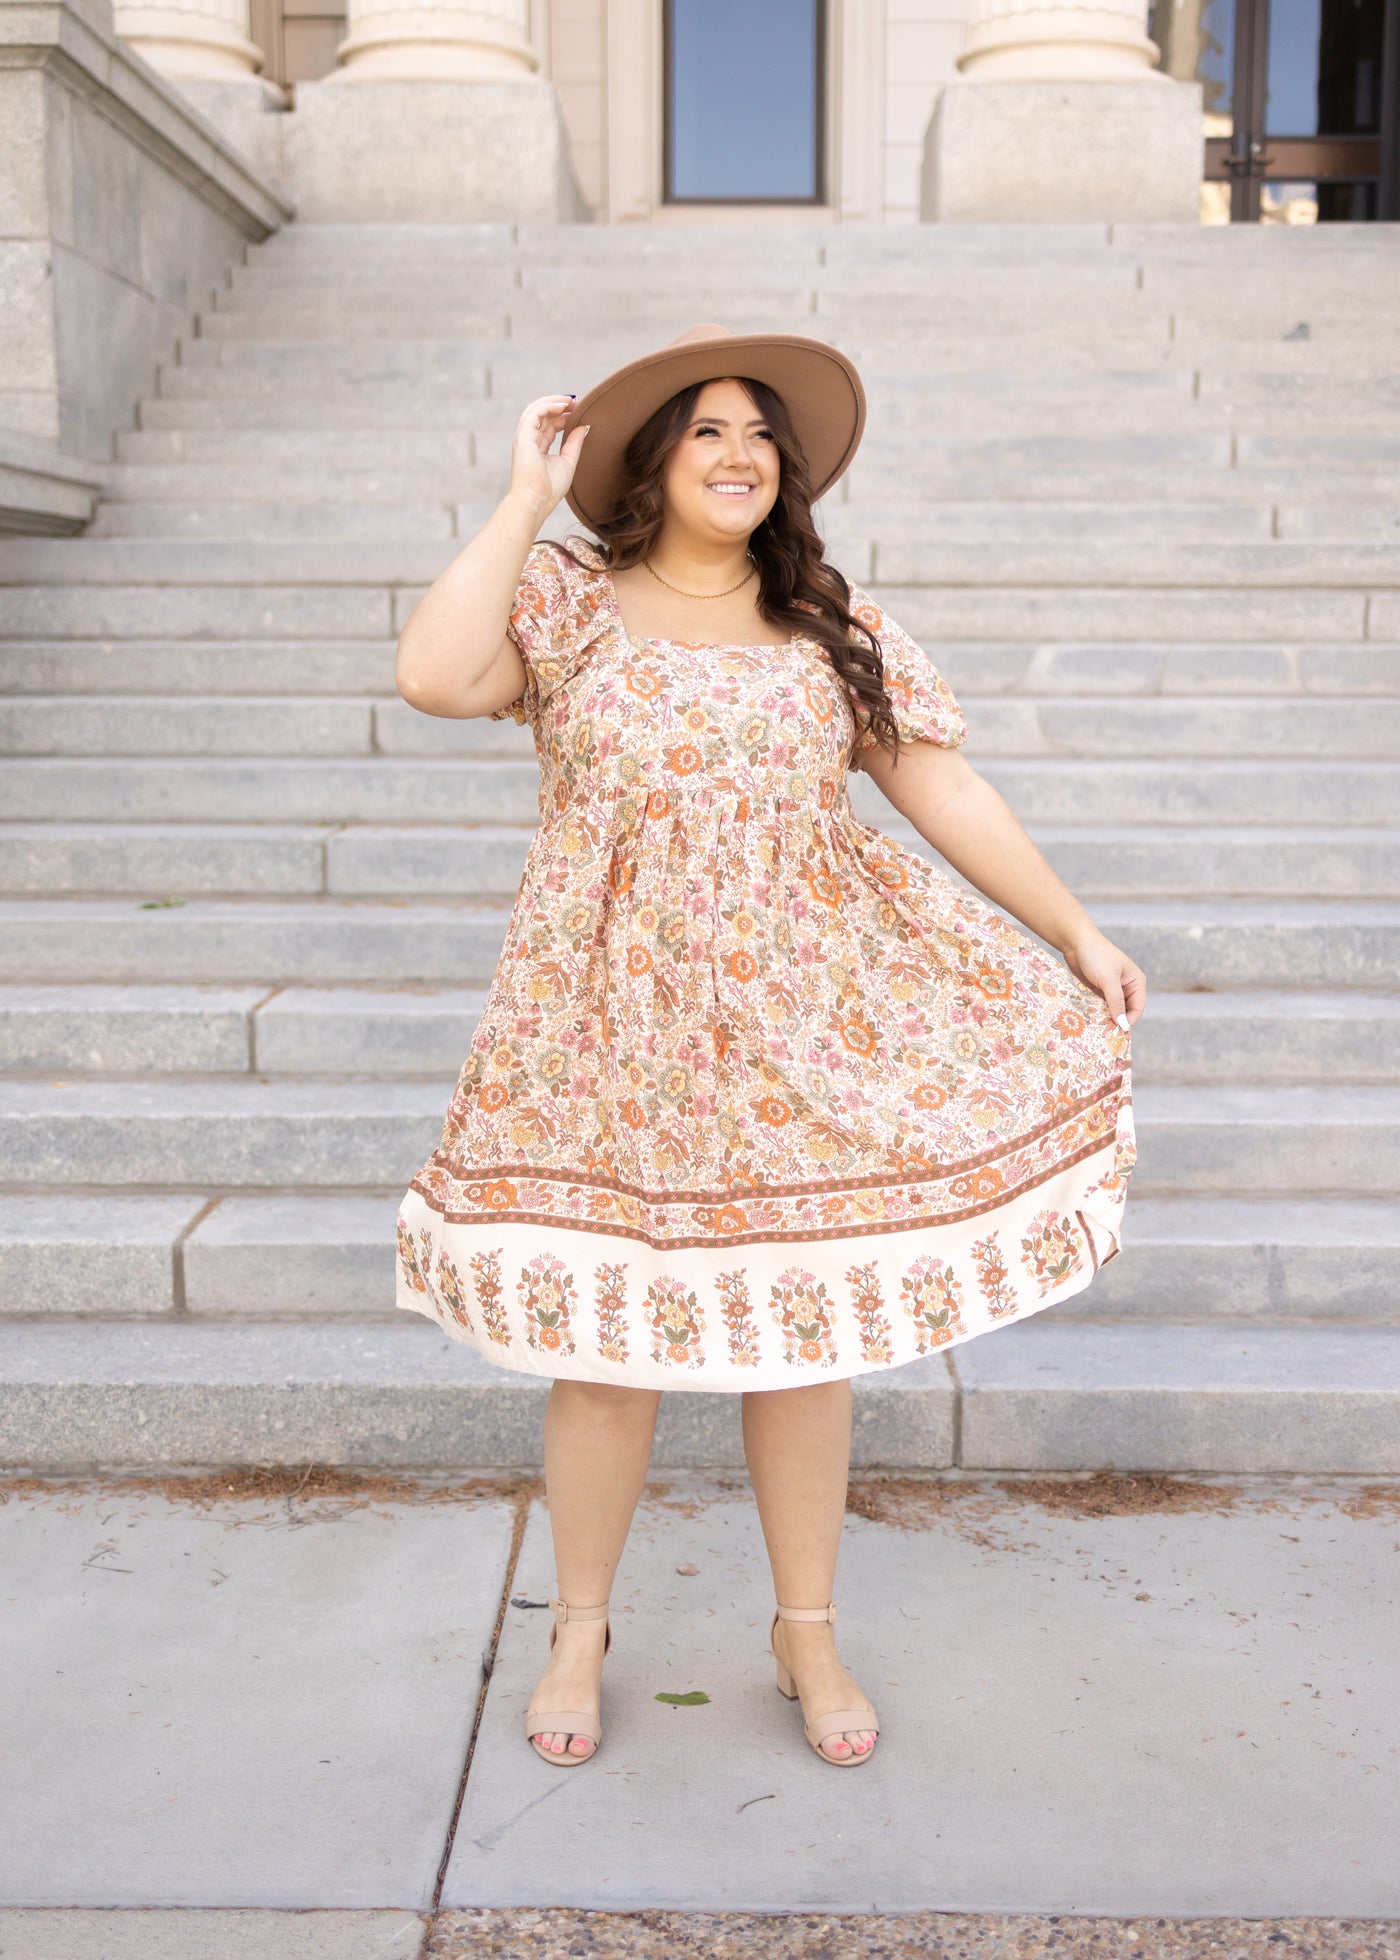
pixel 553 618
pixel 922 701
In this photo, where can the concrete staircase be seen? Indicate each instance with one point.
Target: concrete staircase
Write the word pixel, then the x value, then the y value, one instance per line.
pixel 1138 493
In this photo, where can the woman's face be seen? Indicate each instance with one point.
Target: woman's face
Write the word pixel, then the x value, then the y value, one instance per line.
pixel 721 478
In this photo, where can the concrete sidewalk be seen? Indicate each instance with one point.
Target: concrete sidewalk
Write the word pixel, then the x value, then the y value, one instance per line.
pixel 248 1725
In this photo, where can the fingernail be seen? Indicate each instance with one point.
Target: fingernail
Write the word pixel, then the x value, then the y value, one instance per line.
pixel 1124 1023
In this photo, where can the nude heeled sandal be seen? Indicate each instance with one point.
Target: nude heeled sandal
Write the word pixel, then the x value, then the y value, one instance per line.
pixel 571 1721
pixel 822 1727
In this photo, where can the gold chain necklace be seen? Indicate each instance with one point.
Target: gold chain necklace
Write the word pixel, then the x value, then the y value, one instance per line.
pixel 701 595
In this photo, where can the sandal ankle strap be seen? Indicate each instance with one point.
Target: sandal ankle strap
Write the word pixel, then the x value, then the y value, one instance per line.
pixel 563 1612
pixel 827 1612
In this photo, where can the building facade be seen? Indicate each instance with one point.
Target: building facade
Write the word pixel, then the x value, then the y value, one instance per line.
pixel 1276 110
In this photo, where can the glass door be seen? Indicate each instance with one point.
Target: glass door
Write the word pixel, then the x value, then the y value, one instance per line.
pixel 1301 100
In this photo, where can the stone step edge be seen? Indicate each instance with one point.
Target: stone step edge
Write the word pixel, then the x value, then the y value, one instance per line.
pixel 1043 1396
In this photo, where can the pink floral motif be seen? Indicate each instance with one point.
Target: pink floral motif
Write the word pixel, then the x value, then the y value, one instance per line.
pixel 415 1267
pixel 547 1297
pixel 933 1300
pixel 677 1323
pixel 876 1340
pixel 737 1315
pixel 490 1296
pixel 449 1287
pixel 993 1278
pixel 1051 1250
pixel 610 1309
pixel 803 1311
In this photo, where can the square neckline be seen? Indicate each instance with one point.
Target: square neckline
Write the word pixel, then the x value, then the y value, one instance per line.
pixel 657 639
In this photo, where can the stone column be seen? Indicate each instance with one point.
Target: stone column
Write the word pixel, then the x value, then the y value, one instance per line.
pixel 1059 114
pixel 437 114
pixel 1046 40
pixel 437 41
pixel 192 40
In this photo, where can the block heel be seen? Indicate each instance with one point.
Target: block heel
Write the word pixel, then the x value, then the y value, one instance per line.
pixel 837 1720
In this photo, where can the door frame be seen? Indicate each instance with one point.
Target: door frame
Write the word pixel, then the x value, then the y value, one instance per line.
pixel 854 173
pixel 1245 160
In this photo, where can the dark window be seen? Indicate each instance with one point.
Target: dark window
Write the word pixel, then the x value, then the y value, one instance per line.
pixel 744 101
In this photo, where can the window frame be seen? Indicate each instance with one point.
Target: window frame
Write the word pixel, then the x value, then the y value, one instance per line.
pixel 820 140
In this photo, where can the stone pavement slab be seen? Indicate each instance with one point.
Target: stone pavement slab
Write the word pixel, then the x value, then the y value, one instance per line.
pixel 1188 1711
pixel 145 1934
pixel 174 1682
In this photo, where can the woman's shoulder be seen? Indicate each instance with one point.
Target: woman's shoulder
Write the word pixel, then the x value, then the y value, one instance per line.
pixel 560 597
pixel 570 560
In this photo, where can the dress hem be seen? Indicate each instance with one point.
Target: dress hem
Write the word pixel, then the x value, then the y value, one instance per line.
pixel 910 1304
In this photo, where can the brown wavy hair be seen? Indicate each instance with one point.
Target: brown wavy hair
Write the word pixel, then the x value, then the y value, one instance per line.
pixel 797 588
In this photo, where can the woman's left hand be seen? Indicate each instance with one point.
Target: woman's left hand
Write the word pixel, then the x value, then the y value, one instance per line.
pixel 1100 965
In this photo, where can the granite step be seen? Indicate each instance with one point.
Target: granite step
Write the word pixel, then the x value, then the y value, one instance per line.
pixel 1029 725
pixel 476 487
pixel 1097 674
pixel 484 859
pixel 291 1256
pixel 1217 944
pixel 337 1133
pixel 546 362
pixel 1045 1395
pixel 1207 1039
pixel 384 789
pixel 1336 517
pixel 410 408
pixel 903 555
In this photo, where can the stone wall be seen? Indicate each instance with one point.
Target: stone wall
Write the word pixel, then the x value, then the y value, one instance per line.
pixel 120 208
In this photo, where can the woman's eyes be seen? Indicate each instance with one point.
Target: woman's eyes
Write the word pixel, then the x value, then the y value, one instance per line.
pixel 709 429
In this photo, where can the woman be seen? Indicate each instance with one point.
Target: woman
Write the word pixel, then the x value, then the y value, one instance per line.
pixel 759 1100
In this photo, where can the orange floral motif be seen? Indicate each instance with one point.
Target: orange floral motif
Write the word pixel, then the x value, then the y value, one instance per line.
pixel 803 1312
pixel 415 1270
pixel 449 1289
pixel 744 1054
pixel 872 1323
pixel 933 1299
pixel 737 1315
pixel 490 1296
pixel 1050 1250
pixel 993 1278
pixel 610 1310
pixel 547 1299
pixel 677 1323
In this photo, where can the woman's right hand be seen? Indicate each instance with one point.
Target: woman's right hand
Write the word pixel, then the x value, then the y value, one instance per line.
pixel 534 473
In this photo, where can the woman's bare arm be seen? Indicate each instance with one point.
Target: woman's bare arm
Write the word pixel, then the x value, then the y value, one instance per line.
pixel 965 820
pixel 454 654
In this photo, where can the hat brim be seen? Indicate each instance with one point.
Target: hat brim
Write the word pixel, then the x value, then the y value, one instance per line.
pixel 819 385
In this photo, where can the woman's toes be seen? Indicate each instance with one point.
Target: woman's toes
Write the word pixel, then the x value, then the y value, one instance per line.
pixel 581 1745
pixel 837 1746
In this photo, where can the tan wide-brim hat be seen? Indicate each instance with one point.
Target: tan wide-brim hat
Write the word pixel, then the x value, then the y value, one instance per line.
pixel 819 386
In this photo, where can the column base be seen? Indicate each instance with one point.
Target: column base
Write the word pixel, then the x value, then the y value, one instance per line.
pixel 430 152
pixel 1064 152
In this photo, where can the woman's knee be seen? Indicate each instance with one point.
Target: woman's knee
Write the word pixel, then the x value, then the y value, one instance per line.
pixel 611 1401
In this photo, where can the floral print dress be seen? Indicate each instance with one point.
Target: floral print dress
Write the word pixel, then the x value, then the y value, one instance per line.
pixel 758 1096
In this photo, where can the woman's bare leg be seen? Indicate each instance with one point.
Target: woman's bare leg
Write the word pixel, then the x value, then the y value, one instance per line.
pixel 797 1442
pixel 597 1445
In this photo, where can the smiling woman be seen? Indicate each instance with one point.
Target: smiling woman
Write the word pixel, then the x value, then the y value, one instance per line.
pixel 760 1100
